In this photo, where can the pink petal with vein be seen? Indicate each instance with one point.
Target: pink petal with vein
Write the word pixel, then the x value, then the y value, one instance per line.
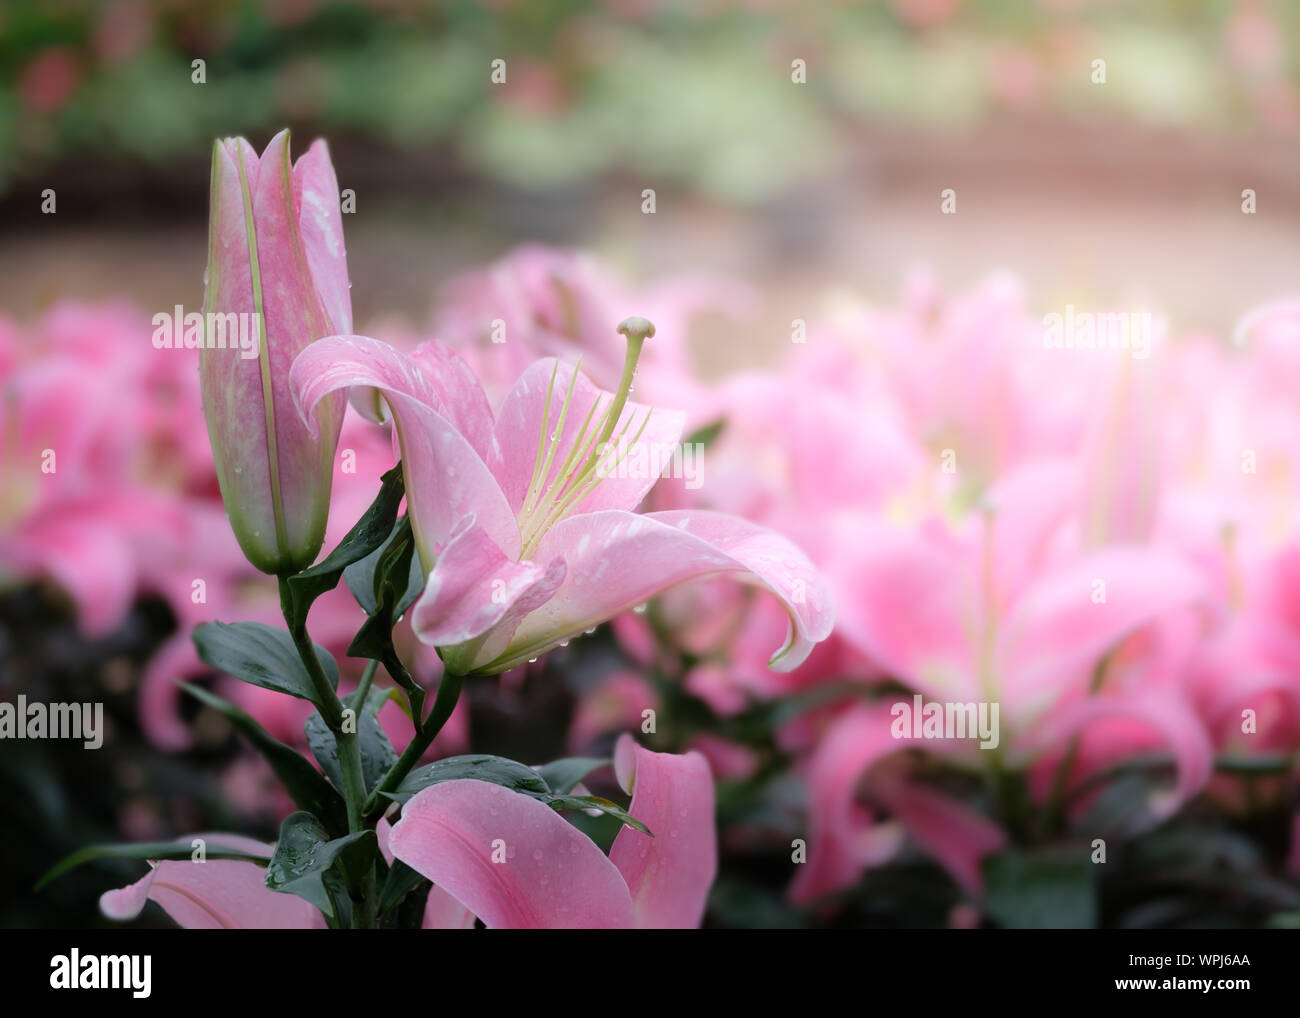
pixel 669 874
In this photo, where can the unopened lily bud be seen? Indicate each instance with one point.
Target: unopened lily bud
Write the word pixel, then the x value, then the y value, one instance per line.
pixel 275 253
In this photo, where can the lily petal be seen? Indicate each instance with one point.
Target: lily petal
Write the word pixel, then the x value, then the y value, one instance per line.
pixel 955 835
pixel 524 415
pixel 320 224
pixel 441 910
pixel 466 404
pixel 473 587
pixel 1066 623
pixel 843 838
pixel 446 480
pixel 552 876
pixel 617 560
pixel 1119 727
pixel 216 894
pixel 669 874
pixel 902 597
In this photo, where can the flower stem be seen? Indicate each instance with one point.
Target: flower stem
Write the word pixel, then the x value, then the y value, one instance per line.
pixel 331 711
pixel 363 687
pixel 425 733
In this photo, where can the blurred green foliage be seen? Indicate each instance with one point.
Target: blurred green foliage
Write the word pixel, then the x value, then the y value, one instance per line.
pixel 698 93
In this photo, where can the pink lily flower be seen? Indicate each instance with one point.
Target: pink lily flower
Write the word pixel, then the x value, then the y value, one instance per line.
pixel 215 894
pixel 1246 683
pixel 515 863
pixel 275 251
pixel 558 302
pixel 971 618
pixel 845 836
pixel 1002 611
pixel 524 521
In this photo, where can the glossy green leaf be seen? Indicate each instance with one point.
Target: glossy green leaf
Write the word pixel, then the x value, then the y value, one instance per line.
pixel 400 882
pixel 377 752
pixel 396 582
pixel 367 536
pixel 308 863
pixel 561 775
pixel 596 802
pixel 261 655
pixel 495 769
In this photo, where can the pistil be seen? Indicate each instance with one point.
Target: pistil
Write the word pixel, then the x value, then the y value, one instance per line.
pixel 574 479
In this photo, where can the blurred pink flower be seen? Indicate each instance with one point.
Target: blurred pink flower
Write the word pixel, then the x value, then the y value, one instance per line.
pixel 49 80
pixel 845 837
pixel 539 301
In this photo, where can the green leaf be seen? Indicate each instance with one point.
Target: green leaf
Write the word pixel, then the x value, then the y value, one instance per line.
pixel 706 434
pixel 306 785
pixel 596 802
pixel 561 775
pixel 362 580
pixel 151 850
pixel 377 752
pixel 401 881
pixel 396 582
pixel 1049 889
pixel 307 863
pixel 262 655
pixel 519 778
pixel 368 535
pixel 481 767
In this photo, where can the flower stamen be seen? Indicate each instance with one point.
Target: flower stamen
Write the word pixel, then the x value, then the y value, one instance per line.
pixel 574 479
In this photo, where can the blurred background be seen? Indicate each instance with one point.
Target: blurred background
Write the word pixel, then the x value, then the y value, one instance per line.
pixel 1076 186
pixel 1127 191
